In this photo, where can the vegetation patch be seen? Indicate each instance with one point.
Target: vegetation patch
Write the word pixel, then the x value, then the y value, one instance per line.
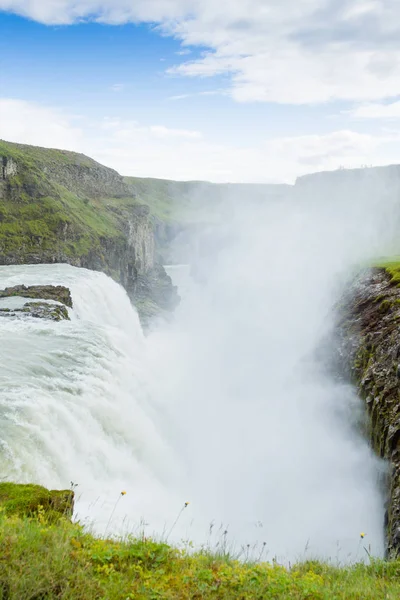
pixel 45 213
pixel 30 500
pixel 392 267
pixel 62 561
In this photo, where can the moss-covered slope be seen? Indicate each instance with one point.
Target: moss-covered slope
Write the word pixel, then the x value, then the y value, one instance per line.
pixel 51 209
pixel 30 500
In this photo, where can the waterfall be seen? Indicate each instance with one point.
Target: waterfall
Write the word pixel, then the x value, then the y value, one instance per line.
pixel 226 407
pixel 74 401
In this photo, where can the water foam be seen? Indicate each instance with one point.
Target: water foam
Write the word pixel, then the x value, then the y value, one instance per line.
pixel 74 404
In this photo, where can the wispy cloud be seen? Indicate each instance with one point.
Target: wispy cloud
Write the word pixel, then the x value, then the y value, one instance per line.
pixel 163 132
pixel 205 93
pixel 31 123
pixel 180 97
pixel 377 111
pixel 118 87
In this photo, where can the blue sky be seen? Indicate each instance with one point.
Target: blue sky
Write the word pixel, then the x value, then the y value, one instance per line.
pixel 249 90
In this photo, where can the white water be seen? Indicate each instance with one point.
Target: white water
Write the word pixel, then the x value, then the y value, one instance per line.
pixel 74 404
pixel 226 407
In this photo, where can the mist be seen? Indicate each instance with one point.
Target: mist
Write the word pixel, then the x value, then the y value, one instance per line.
pixel 267 438
pixel 234 405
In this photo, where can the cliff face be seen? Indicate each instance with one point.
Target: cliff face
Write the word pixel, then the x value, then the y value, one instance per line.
pixel 58 206
pixel 370 354
pixel 85 177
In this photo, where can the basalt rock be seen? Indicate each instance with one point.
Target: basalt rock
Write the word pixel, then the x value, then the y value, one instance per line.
pixel 38 310
pixel 369 349
pixel 58 293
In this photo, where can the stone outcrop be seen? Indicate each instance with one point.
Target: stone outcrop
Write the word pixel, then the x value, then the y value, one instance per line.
pixel 51 302
pixel 38 310
pixel 85 177
pixel 369 349
pixel 59 293
pixel 8 168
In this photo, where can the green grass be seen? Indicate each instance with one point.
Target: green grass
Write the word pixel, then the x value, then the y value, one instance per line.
pixel 59 224
pixel 33 155
pixel 392 266
pixel 41 218
pixel 39 560
pixel 169 201
pixel 26 500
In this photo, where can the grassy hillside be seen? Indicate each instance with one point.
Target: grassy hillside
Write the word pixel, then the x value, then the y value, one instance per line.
pixel 64 206
pixel 33 155
pixel 58 206
pixel 42 219
pixel 40 560
pixel 45 556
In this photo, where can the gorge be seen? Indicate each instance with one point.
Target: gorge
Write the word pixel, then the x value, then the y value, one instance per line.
pixel 235 403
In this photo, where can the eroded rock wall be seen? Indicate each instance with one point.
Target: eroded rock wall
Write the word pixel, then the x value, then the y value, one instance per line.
pixel 369 347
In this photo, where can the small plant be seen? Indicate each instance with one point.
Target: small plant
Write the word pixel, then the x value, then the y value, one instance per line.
pixel 113 511
pixel 177 519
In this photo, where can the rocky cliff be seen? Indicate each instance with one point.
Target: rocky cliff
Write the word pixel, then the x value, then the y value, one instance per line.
pixel 58 206
pixel 369 347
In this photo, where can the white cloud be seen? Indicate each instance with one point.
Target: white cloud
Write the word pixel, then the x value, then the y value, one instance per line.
pixel 118 87
pixel 158 151
pixel 292 51
pixel 164 132
pixel 64 12
pixel 181 97
pixel 28 123
pixel 354 10
pixel 377 111
pixel 205 93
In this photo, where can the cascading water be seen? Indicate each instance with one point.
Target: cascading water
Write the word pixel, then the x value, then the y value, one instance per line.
pixel 74 404
pixel 225 407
